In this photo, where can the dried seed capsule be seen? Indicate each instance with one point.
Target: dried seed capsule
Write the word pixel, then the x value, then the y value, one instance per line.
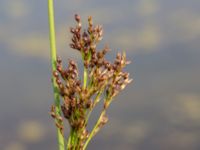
pixel 53 115
pixel 77 34
pixel 60 118
pixel 78 46
pixel 79 25
pixel 59 68
pixel 59 60
pixel 86 64
pixel 99 55
pixel 58 81
pixel 89 104
pixel 103 121
pixel 66 112
pixel 118 56
pixel 90 20
pixel 55 74
pixel 72 46
pixel 78 83
pixel 72 63
pixel 93 47
pixel 73 76
pixel 85 34
pixel 126 75
pixel 81 123
pixel 60 126
pixel 74 40
pixel 72 30
pixel 52 112
pixel 77 18
pixel 73 102
pixel 105 50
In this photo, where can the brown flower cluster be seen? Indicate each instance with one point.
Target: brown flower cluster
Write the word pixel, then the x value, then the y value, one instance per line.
pixel 103 80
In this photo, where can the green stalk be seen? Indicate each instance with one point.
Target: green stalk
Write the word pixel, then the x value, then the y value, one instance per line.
pixel 85 78
pixel 95 128
pixel 53 63
pixel 93 132
pixel 96 100
pixel 75 140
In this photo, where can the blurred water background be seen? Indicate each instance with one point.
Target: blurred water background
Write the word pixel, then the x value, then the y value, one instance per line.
pixel 159 111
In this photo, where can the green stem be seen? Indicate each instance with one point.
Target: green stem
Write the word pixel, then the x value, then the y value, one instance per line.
pixel 84 72
pixel 85 78
pixel 53 63
pixel 69 139
pixel 93 132
pixel 75 140
pixel 72 139
pixel 96 100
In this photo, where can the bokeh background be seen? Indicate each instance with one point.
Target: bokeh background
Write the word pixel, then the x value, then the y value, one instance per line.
pixel 159 111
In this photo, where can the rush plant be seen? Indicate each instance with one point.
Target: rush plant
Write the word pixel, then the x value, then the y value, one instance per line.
pixel 75 99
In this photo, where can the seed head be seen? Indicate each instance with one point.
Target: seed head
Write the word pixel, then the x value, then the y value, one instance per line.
pixel 104 81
